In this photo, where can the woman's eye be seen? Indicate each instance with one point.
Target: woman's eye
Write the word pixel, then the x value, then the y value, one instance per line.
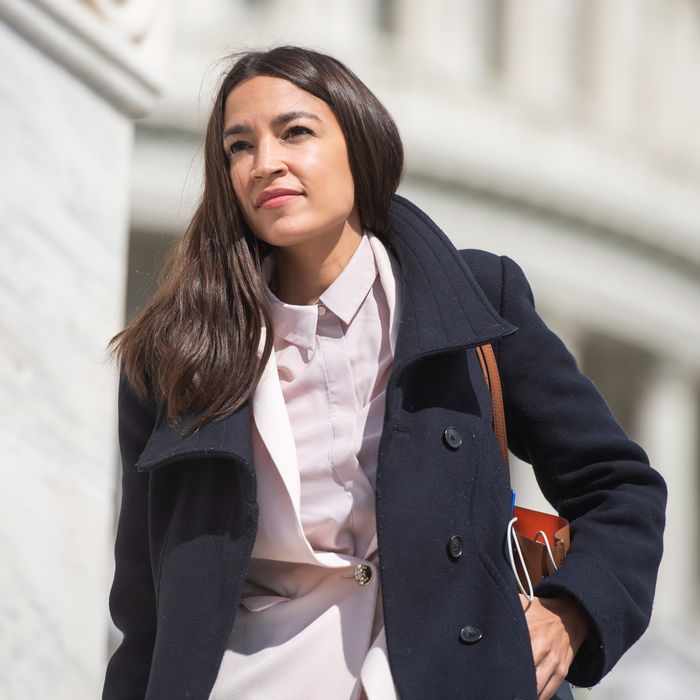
pixel 298 131
pixel 238 146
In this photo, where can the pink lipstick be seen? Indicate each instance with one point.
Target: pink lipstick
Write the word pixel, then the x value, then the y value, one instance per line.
pixel 275 197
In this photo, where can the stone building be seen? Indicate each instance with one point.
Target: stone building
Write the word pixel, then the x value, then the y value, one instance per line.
pixel 559 132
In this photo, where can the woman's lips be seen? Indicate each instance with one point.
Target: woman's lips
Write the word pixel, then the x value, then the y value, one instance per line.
pixel 278 201
pixel 271 199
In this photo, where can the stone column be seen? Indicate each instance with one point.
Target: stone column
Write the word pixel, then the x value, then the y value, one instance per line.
pixel 462 28
pixel 671 59
pixel 617 44
pixel 466 34
pixel 668 424
pixel 541 51
pixel 74 73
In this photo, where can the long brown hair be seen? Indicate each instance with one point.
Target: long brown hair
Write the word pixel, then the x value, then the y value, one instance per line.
pixel 194 346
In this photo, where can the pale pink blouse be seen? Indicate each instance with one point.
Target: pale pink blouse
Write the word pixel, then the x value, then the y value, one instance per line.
pixel 310 622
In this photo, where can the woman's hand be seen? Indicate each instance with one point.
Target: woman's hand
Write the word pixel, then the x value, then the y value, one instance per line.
pixel 557 629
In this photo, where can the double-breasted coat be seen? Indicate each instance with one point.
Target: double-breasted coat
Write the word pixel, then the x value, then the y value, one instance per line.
pixel 188 517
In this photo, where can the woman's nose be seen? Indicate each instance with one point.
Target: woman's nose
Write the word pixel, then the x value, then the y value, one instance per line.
pixel 268 161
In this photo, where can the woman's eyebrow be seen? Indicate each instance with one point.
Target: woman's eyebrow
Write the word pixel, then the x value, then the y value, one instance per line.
pixel 279 120
pixel 282 119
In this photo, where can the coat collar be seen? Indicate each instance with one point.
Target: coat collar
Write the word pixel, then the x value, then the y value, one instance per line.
pixel 442 308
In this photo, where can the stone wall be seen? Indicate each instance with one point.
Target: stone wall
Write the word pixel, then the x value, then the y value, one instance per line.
pixel 67 93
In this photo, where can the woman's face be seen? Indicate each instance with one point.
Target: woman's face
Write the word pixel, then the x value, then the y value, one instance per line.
pixel 288 162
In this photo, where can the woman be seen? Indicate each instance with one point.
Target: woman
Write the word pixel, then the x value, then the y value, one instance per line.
pixel 314 504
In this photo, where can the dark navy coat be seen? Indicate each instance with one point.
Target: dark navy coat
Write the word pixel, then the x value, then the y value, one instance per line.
pixel 189 513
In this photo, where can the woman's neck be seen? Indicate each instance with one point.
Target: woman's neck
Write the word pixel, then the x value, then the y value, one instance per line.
pixel 303 272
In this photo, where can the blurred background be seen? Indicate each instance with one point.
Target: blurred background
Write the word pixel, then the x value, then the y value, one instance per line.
pixel 563 133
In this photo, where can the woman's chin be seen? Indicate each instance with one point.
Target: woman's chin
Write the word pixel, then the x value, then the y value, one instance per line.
pixel 289 233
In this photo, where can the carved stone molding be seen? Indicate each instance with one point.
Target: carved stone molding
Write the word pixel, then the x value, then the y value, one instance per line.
pixel 99 41
pixel 134 18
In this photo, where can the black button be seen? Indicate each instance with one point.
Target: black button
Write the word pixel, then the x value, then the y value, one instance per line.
pixel 470 634
pixel 455 546
pixel 452 438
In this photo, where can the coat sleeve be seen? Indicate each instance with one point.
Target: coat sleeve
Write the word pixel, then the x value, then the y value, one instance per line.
pixel 591 473
pixel 132 598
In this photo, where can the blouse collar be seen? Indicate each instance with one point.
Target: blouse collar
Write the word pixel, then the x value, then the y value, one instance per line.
pixel 297 324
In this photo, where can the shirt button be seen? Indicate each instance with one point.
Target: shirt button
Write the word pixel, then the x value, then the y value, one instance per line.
pixel 321 310
pixel 455 546
pixel 471 634
pixel 363 574
pixel 452 438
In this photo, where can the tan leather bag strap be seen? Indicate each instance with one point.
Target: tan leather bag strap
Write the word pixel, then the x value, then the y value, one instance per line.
pixel 493 380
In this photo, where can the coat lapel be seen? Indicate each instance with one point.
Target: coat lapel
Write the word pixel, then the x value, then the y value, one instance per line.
pixel 231 436
pixel 227 437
